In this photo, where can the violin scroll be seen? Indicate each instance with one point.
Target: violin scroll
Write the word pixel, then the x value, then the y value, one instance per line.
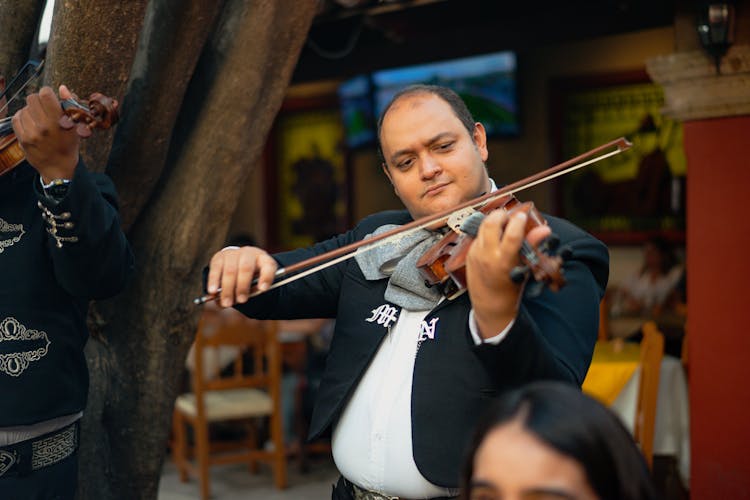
pixel 99 111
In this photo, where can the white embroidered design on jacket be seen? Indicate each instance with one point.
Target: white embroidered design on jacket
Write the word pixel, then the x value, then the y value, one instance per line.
pixel 427 330
pixel 34 343
pixel 384 315
pixel 10 234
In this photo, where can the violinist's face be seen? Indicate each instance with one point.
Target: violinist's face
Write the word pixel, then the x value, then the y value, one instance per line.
pixel 430 158
pixel 513 464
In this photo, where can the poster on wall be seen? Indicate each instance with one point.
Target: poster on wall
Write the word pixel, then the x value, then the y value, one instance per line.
pixel 628 197
pixel 311 177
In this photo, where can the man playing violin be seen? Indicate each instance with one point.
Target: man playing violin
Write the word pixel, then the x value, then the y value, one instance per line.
pixel 410 371
pixel 60 247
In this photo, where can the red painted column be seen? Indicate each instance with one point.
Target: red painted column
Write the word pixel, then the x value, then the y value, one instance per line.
pixel 715 111
pixel 718 323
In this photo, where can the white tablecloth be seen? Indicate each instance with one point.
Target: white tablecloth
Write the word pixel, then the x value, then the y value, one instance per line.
pixel 672 428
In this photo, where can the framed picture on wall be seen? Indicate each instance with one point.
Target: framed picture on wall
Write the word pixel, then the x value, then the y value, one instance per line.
pixel 631 196
pixel 308 177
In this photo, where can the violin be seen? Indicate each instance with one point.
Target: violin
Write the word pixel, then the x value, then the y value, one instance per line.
pixel 444 264
pixel 99 111
pixel 445 260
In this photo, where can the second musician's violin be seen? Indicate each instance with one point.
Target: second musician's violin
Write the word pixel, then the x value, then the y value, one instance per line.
pixel 99 111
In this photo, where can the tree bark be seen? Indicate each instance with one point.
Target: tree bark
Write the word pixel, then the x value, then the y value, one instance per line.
pixel 91 49
pixel 173 35
pixel 232 99
pixel 19 20
pixel 171 40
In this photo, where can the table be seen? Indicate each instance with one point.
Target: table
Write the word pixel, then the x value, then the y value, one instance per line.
pixel 614 378
pixel 612 367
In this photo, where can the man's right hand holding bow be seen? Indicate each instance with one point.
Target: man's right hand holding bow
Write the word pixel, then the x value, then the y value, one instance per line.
pixel 233 269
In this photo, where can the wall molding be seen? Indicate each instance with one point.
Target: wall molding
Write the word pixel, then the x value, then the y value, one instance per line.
pixel 693 90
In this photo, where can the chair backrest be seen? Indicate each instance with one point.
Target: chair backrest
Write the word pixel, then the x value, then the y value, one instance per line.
pixel 652 352
pixel 257 365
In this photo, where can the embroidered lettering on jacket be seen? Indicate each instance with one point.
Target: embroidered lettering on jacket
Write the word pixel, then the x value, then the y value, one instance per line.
pixel 384 315
pixel 427 330
pixel 30 345
pixel 10 234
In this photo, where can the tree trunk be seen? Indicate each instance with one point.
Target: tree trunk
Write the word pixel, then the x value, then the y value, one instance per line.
pixel 229 107
pixel 205 79
pixel 19 20
pixel 158 82
pixel 171 39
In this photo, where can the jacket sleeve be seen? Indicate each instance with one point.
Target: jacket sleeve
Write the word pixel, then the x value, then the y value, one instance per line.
pixel 317 295
pixel 90 255
pixel 554 333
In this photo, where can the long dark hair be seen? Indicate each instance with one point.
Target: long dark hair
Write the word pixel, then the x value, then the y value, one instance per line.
pixel 577 426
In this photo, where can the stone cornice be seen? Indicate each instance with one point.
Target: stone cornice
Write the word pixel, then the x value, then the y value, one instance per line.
pixel 693 90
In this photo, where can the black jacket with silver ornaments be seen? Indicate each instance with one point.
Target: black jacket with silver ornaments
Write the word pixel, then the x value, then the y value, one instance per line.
pixel 55 256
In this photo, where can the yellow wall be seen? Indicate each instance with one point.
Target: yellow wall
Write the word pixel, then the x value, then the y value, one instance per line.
pixel 531 152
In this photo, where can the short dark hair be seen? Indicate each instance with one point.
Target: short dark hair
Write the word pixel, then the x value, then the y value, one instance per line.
pixel 452 98
pixel 577 426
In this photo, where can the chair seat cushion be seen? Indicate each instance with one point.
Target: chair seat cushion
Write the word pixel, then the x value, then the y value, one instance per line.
pixel 228 404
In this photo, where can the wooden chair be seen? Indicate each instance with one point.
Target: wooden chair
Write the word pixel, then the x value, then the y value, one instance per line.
pixel 652 351
pixel 235 397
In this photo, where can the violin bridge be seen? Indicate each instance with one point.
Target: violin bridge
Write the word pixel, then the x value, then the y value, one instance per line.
pixel 457 218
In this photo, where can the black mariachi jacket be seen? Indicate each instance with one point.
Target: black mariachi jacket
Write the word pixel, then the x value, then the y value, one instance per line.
pixel 54 258
pixel 454 380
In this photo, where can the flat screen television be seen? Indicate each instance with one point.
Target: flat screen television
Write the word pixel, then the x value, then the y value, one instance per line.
pixel 355 99
pixel 487 83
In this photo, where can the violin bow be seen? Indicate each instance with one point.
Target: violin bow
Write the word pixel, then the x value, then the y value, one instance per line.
pixel 319 262
pixel 35 68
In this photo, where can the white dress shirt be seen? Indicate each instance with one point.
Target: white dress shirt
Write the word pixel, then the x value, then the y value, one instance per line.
pixel 372 441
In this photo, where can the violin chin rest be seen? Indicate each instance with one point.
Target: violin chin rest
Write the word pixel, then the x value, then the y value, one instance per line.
pixel 471 224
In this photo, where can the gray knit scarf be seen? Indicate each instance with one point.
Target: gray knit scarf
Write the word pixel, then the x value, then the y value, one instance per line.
pixel 397 259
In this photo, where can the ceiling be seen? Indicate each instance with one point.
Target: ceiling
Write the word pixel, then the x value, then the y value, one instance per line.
pixel 356 36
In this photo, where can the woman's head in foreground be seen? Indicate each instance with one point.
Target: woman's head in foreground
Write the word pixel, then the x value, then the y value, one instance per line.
pixel 547 440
